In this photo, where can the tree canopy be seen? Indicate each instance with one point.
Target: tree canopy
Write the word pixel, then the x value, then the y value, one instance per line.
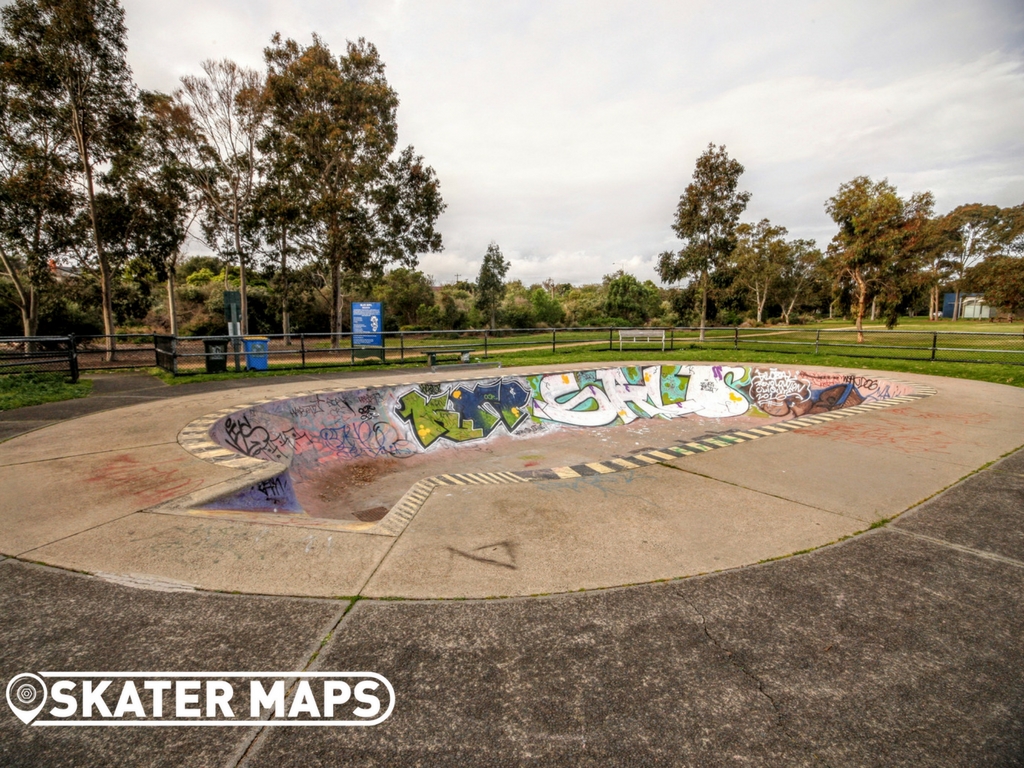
pixel 706 218
pixel 72 56
pixel 334 129
pixel 879 244
pixel 490 284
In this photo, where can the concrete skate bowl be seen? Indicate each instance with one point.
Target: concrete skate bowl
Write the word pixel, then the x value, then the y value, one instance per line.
pixel 366 459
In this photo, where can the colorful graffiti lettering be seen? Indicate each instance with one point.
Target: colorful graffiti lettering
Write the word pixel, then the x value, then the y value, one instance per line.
pixel 783 393
pixel 465 412
pixel 622 395
pixel 399 422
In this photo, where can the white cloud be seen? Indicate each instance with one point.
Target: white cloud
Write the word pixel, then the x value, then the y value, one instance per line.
pixel 566 131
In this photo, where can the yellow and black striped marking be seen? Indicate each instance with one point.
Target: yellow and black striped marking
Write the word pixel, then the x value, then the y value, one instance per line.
pixel 713 442
pixel 195 438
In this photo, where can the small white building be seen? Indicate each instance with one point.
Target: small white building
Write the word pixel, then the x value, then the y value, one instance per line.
pixel 975 308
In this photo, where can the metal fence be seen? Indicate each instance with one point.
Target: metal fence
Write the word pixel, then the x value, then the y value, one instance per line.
pixel 38 354
pixel 193 354
pixel 130 350
pixel 185 355
pixel 941 346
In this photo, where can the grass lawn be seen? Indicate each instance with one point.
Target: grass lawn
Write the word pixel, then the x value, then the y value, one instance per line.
pixel 994 372
pixel 924 324
pixel 18 390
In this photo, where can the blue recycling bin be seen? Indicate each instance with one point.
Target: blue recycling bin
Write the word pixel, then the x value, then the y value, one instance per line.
pixel 256 352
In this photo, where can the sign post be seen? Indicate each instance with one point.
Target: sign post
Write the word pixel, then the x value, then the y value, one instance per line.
pixel 368 327
pixel 233 315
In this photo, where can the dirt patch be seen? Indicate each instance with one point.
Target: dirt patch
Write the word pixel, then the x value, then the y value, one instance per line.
pixel 338 491
pixel 356 474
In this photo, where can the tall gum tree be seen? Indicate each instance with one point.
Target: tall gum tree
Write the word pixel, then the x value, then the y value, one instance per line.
pixel 155 194
pixel 38 203
pixel 802 265
pixel 490 283
pixel 227 110
pixel 706 219
pixel 335 129
pixel 761 255
pixel 972 236
pixel 81 46
pixel 880 244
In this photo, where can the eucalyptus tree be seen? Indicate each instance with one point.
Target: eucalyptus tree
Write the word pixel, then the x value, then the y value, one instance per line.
pixel 38 203
pixel 706 219
pixel 227 110
pixel 801 276
pixel 879 247
pixel 972 236
pixel 273 222
pixel 79 47
pixel 334 132
pixel 1001 275
pixel 490 283
pixel 761 256
pixel 154 191
pixel 1001 279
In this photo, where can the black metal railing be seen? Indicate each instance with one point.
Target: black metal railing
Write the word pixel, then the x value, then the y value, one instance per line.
pixel 190 354
pixel 39 354
pixel 941 346
pixel 199 354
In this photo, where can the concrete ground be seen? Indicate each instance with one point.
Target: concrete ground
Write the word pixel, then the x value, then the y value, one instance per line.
pixel 899 646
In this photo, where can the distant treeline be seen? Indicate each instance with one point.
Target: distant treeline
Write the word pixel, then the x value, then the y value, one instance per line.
pixel 292 177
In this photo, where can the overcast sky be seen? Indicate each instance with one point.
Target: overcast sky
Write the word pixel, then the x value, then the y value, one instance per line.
pixel 566 131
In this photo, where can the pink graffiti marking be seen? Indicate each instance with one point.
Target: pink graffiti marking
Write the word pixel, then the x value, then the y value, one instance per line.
pixel 146 483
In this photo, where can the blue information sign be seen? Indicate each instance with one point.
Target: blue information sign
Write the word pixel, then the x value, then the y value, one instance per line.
pixel 367 324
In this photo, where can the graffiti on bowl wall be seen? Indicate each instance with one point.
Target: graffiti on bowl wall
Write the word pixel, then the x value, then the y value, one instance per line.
pixel 305 433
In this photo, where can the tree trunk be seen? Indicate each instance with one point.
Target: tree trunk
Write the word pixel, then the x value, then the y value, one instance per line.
pixel 241 277
pixel 703 302
pixel 106 275
pixel 336 306
pixel 874 303
pixel 172 306
pixel 956 303
pixel 760 303
pixel 32 322
pixel 787 312
pixel 286 326
pixel 24 299
pixel 862 299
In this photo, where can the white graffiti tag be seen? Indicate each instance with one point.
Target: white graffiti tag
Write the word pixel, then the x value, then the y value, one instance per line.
pixel 610 396
pixel 775 386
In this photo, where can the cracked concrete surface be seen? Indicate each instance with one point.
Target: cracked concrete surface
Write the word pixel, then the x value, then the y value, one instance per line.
pixel 898 647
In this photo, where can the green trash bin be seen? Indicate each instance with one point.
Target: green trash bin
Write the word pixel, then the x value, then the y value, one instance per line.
pixel 256 352
pixel 216 355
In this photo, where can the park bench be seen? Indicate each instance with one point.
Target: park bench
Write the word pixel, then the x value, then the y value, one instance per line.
pixel 646 334
pixel 432 354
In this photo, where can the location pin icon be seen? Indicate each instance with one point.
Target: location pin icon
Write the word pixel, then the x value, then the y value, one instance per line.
pixel 24 691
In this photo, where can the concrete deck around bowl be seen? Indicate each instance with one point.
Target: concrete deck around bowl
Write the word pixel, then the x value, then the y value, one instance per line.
pixel 80 494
